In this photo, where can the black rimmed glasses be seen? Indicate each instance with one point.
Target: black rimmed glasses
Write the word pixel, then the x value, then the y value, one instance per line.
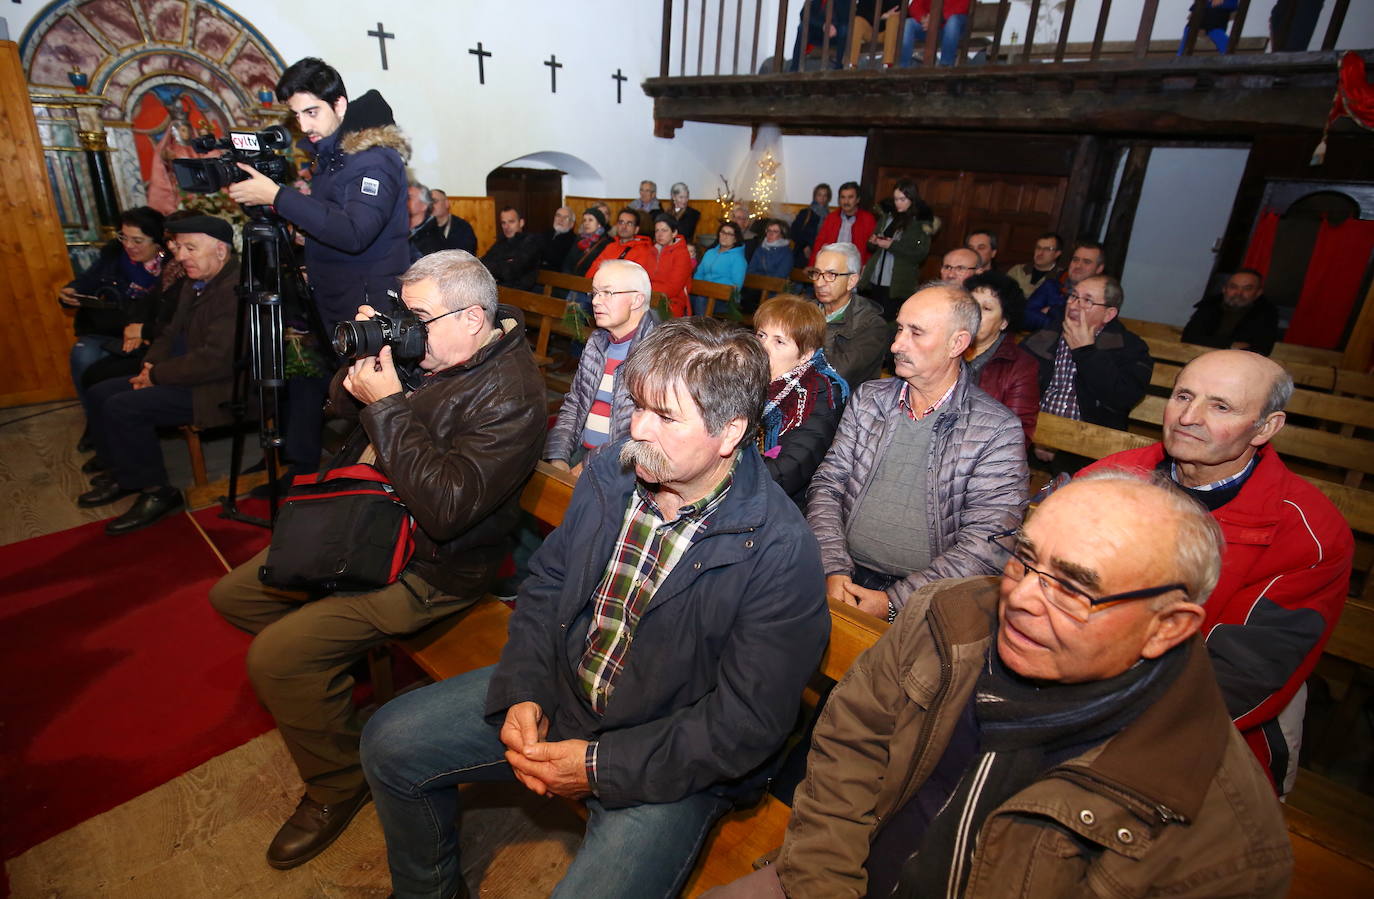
pixel 816 274
pixel 1076 297
pixel 1072 601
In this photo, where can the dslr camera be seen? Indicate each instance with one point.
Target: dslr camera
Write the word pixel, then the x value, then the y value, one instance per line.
pixel 402 331
pixel 253 148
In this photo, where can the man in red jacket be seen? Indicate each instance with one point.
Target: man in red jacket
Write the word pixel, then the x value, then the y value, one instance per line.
pixel 848 224
pixel 629 244
pixel 1288 553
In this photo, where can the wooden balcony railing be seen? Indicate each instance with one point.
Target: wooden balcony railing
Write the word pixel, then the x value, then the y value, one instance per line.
pixel 989 36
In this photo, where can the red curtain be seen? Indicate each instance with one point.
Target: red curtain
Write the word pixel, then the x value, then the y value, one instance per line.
pixel 1262 242
pixel 1334 274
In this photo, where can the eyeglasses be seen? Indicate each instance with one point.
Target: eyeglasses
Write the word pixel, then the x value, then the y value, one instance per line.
pixel 958 268
pixel 828 277
pixel 429 321
pixel 597 294
pixel 1065 597
pixel 1076 297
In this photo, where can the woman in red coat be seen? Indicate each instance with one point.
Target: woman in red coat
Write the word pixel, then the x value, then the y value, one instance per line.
pixel 672 268
pixel 1006 372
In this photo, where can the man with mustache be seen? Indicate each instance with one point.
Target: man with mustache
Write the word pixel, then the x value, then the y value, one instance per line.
pixel 1288 554
pixel 657 651
pixel 925 466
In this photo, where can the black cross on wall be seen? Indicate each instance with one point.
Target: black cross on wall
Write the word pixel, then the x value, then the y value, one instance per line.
pixel 619 80
pixel 481 59
pixel 381 34
pixel 554 65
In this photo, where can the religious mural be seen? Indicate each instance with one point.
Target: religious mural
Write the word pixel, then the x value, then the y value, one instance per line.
pixel 165 71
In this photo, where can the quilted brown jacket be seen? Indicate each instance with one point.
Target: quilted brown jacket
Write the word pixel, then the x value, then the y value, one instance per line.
pixel 1173 805
pixel 977 467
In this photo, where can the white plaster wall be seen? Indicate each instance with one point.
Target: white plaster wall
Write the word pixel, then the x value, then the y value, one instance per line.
pixel 1185 203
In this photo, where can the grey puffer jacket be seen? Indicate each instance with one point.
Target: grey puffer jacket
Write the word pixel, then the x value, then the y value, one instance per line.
pixel 566 435
pixel 977 466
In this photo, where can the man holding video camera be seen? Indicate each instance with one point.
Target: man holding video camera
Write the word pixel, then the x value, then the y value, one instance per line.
pixel 457 440
pixel 354 218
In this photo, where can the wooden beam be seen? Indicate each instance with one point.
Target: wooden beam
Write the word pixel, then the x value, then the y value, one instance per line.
pixel 1122 219
pixel 1333 28
pixel 1002 10
pixel 665 51
pixel 780 38
pixel 933 28
pixel 1237 25
pixel 1064 31
pixel 1030 31
pixel 1147 27
pixel 1103 12
pixel 1359 349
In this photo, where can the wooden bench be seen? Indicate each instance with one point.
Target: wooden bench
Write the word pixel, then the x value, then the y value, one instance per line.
pixel 1327 378
pixel 1346 413
pixel 1282 352
pixel 550 281
pixel 766 286
pixel 713 292
pixel 543 313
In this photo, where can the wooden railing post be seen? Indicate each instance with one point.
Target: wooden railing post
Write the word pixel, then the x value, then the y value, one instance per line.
pixel 682 66
pixel 1002 10
pixel 1030 31
pixel 1147 28
pixel 1237 24
pixel 720 30
pixel 825 36
pixel 848 41
pixel 1102 15
pixel 1193 28
pixel 782 36
pixel 739 27
pixel 1333 29
pixel 701 39
pixel 754 54
pixel 666 49
pixel 934 25
pixel 1064 31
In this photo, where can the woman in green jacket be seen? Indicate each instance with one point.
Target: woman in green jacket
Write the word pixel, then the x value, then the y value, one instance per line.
pixel 900 244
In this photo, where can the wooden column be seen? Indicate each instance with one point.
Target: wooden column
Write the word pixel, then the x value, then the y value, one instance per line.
pixel 33 254
pixel 1122 219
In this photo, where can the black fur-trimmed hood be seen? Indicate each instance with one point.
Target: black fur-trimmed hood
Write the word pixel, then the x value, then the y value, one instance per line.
pixel 369 123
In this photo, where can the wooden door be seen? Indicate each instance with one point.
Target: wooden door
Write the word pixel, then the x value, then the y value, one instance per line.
pixel 1017 208
pixel 537 193
pixel 33 256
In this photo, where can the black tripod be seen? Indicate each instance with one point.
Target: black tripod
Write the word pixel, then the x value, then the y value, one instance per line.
pixel 268 265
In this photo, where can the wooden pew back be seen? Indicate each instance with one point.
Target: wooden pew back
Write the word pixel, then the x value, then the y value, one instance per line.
pixel 543 313
pixel 716 294
pixel 766 286
pixel 1283 352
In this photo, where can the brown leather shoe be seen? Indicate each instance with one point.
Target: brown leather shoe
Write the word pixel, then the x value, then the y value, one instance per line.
pixel 311 828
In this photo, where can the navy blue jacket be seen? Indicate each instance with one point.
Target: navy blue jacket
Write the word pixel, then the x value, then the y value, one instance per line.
pixel 354 218
pixel 711 687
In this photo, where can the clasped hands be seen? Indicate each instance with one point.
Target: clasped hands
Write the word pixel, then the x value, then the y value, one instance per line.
pixel 559 768
pixel 372 378
pixel 842 589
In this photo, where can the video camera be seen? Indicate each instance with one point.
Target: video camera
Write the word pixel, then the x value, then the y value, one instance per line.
pixel 254 148
pixel 403 332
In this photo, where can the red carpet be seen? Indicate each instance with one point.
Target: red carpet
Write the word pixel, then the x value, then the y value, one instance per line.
pixel 118 675
pixel 236 541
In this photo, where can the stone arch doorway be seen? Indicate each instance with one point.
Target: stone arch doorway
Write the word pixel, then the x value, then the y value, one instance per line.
pixel 537 182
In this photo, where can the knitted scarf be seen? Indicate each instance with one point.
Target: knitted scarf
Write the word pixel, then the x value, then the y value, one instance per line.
pixel 792 396
pixel 1025 729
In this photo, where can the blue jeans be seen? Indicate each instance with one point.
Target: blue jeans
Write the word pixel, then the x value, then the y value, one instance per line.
pixel 420 746
pixel 1218 36
pixel 89 349
pixel 949 39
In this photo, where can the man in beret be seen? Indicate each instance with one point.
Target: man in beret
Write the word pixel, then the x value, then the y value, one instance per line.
pixel 187 378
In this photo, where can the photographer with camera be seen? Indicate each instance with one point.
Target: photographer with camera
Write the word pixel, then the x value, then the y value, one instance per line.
pixel 456 440
pixel 127 268
pixel 354 218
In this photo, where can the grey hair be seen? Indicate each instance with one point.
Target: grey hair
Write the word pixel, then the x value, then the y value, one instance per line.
pixel 462 280
pixel 679 188
pixel 1199 541
pixel 1112 294
pixel 722 367
pixel 964 312
pixel 424 190
pixel 638 277
pixel 651 184
pixel 1280 392
pixel 852 261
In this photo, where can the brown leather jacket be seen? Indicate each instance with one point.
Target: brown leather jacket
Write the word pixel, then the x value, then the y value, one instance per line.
pixel 459 449
pixel 1173 805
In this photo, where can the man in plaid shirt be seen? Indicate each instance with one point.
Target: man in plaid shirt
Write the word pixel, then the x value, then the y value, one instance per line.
pixel 657 652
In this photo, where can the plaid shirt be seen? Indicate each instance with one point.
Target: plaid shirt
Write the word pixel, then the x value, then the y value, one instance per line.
pixel 645 553
pixel 1061 396
pixel 904 401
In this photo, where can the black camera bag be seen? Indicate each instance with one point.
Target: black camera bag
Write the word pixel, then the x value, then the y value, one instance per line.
pixel 340 529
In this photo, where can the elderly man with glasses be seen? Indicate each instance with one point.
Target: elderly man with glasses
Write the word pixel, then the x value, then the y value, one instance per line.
pixel 1057 731
pixel 1091 368
pixel 456 436
pixel 856 336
